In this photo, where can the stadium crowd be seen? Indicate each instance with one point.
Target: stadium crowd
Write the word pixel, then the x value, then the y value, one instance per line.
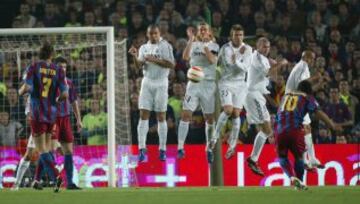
pixel 331 28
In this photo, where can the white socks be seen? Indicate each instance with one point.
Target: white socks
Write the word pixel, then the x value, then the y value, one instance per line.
pixel 223 117
pixel 162 132
pixel 310 148
pixel 23 166
pixel 234 132
pixel 258 145
pixel 142 130
pixel 182 133
pixel 209 128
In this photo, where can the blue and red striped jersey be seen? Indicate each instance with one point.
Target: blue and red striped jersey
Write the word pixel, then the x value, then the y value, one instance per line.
pixel 292 109
pixel 64 107
pixel 44 80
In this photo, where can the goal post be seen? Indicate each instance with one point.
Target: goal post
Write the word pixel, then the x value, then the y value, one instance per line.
pixel 108 34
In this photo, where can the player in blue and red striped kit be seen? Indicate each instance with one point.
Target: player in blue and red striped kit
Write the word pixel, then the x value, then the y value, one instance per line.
pixel 63 125
pixel 289 130
pixel 42 80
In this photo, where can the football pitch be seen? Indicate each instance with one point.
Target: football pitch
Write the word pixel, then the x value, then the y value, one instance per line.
pixel 182 195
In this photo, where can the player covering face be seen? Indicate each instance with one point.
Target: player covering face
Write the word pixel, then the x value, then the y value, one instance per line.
pixel 200 51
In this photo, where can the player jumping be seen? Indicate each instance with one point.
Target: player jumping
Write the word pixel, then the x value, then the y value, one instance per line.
pixel 255 102
pixel 200 51
pixel 156 58
pixel 234 59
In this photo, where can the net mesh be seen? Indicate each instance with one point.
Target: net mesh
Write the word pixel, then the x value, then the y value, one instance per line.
pixel 86 55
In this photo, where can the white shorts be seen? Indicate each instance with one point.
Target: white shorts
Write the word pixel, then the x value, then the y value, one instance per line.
pixel 154 95
pixel 203 94
pixel 233 94
pixel 307 119
pixel 256 111
pixel 31 143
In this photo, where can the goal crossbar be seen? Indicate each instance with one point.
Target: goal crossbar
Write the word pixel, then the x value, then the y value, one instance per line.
pixel 110 70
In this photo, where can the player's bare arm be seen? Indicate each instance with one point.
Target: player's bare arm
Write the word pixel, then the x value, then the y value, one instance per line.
pixel 187 50
pixel 24 89
pixel 133 51
pixel 275 66
pixel 75 106
pixel 210 56
pixel 322 116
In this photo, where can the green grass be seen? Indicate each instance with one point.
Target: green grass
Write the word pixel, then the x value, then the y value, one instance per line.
pixel 223 195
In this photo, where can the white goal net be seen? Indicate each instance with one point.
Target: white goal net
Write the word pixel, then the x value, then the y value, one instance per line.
pixel 97 67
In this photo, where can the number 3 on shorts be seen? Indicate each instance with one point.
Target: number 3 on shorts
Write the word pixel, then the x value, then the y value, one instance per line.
pixel 46 84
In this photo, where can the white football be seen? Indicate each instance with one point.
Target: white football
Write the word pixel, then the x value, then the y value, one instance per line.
pixel 195 74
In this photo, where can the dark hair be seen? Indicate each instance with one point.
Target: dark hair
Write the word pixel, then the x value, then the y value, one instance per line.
pixel 305 86
pixel 60 60
pixel 236 27
pixel 46 51
pixel 152 27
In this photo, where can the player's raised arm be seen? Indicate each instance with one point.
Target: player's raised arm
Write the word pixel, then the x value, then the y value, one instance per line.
pixel 64 94
pixel 187 50
pixel 28 81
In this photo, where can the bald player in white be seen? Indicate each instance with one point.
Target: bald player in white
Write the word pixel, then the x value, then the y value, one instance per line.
pixel 155 58
pixel 255 103
pixel 299 73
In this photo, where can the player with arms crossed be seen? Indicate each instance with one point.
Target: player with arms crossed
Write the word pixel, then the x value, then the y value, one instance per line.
pixel 289 129
pixel 63 131
pixel 234 59
pixel 43 79
pixel 156 58
pixel 255 103
pixel 200 51
pixel 299 73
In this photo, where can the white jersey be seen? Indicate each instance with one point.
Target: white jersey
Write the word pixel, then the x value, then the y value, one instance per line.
pixel 257 74
pixel 198 58
pixel 161 50
pixel 234 70
pixel 299 73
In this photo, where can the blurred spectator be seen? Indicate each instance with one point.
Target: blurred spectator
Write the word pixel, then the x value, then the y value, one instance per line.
pixel 26 19
pixel 95 125
pixel 9 130
pixel 51 17
pixel 175 101
pixel 346 97
pixel 16 108
pixel 338 111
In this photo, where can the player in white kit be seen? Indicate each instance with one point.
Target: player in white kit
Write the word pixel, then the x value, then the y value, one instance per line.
pixel 255 103
pixel 156 58
pixel 299 73
pixel 200 51
pixel 234 61
pixel 30 150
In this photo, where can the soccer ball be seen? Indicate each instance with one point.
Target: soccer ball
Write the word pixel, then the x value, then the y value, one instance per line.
pixel 195 74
